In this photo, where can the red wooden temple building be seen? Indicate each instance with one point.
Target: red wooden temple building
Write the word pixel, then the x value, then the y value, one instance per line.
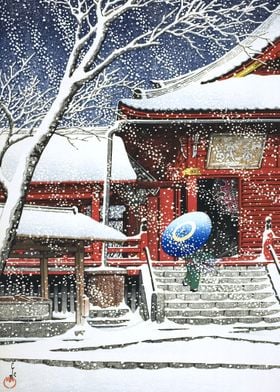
pixel 207 141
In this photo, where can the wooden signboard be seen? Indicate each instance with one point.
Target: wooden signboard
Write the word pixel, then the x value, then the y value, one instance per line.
pixel 235 151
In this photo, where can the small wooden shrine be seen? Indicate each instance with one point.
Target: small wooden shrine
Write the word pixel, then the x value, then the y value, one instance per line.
pixel 49 232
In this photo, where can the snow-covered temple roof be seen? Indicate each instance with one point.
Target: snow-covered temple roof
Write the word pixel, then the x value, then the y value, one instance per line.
pixel 80 160
pixel 63 223
pixel 249 48
pixel 248 93
pixel 191 92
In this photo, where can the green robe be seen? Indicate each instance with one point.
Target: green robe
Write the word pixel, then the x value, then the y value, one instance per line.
pixel 192 276
pixel 199 261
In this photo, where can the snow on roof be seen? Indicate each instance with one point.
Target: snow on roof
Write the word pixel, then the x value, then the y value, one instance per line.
pixel 82 160
pixel 249 93
pixel 265 34
pixel 63 223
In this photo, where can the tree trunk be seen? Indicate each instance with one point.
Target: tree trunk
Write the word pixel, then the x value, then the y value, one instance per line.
pixel 19 185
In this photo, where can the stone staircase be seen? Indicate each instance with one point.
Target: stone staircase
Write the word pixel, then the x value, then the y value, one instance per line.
pixel 109 317
pixel 230 294
pixel 98 318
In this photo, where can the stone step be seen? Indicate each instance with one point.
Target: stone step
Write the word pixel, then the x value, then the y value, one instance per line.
pixel 218 272
pixel 87 365
pixel 220 305
pixel 34 329
pixel 109 322
pixel 224 320
pixel 190 296
pixel 235 313
pixel 108 317
pixel 213 280
pixel 220 266
pixel 108 312
pixel 215 287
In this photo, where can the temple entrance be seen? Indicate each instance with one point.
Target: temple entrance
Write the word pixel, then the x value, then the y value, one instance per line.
pixel 219 199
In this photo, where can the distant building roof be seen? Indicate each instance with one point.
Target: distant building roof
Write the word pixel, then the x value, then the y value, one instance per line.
pixel 253 92
pixel 63 223
pixel 82 160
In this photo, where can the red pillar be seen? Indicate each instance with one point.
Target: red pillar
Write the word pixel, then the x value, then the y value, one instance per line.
pixel 167 214
pixel 192 193
pixel 143 238
pixel 191 180
pixel 96 247
pixel 177 202
pixel 152 223
pixel 132 223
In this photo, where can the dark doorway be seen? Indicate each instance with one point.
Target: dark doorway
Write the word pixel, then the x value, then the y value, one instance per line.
pixel 219 199
pixel 183 201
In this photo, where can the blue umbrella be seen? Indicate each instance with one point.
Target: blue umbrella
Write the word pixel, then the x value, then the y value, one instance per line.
pixel 186 234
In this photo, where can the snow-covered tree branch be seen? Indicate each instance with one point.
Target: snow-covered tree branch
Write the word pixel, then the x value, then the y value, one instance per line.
pixel 94 96
pixel 29 110
pixel 22 104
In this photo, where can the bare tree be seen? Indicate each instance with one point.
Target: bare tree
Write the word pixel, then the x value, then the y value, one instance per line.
pixel 26 112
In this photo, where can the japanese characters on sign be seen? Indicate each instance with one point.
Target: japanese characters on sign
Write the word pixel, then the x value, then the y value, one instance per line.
pixel 235 151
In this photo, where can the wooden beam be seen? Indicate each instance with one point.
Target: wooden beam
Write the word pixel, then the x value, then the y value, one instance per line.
pixel 35 248
pixel 44 277
pixel 80 286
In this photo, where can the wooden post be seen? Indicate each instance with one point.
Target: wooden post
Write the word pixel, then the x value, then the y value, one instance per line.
pixel 64 299
pixel 153 229
pixel 80 287
pixel 96 246
pixel 167 212
pixel 44 277
pixel 192 193
pixel 143 238
pixel 55 299
pixel 267 240
pixel 72 299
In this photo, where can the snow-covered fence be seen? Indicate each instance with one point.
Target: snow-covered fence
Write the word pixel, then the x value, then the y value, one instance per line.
pixel 275 257
pixel 270 243
pixel 132 292
pixel 153 297
pixel 132 250
pixel 63 298
pixel 19 285
pixel 61 292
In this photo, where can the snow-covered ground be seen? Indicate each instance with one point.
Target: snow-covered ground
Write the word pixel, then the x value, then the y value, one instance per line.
pixel 42 378
pixel 149 342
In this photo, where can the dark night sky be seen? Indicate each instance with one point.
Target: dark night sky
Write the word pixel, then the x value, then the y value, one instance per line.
pixel 28 27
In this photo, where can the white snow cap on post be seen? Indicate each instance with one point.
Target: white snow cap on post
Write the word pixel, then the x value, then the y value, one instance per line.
pixel 63 223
